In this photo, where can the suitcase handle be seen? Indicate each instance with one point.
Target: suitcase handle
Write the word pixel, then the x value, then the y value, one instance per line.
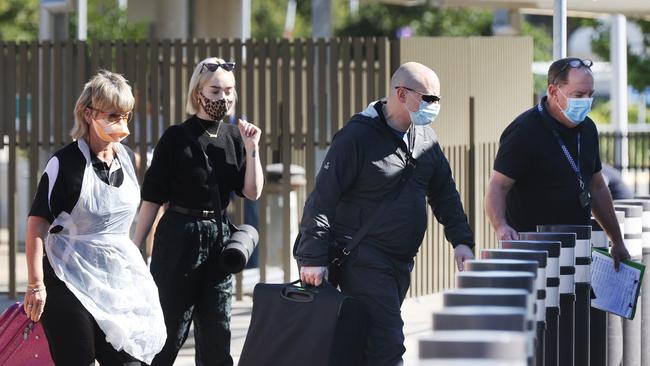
pixel 297 294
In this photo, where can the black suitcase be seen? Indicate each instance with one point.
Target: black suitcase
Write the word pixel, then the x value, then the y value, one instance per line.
pixel 313 326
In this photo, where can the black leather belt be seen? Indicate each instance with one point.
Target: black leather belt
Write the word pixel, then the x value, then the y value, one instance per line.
pixel 201 214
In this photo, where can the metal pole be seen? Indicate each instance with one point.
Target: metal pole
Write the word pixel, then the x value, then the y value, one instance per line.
pixel 559 29
pixel 82 20
pixel 618 55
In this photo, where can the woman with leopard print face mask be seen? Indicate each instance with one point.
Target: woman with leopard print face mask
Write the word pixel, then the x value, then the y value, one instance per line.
pixel 196 166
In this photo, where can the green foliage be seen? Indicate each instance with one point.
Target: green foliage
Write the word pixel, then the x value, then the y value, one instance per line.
pixel 107 21
pixel 384 20
pixel 18 20
pixel 269 16
pixel 638 65
pixel 602 112
pixel 542 41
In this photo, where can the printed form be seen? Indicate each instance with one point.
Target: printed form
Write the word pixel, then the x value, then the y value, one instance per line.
pixel 615 292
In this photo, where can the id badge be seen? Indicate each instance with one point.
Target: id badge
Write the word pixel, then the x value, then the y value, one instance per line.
pixel 585 199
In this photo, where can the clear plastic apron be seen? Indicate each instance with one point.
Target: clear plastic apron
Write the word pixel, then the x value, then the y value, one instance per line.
pixel 99 263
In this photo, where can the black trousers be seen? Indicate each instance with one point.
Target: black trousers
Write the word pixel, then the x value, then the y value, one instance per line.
pixel 380 283
pixel 192 288
pixel 72 333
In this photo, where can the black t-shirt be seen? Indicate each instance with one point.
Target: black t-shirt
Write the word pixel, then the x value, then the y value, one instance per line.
pixel 65 171
pixel 178 173
pixel 546 188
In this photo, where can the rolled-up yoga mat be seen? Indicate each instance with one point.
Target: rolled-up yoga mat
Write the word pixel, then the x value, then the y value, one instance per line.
pixel 545 355
pixel 633 239
pixel 566 317
pixel 598 326
pixel 582 286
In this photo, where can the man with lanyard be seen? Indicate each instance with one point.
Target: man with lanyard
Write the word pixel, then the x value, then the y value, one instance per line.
pixel 548 169
pixel 379 173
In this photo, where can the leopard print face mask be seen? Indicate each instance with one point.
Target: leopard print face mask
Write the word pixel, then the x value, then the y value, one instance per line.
pixel 216 109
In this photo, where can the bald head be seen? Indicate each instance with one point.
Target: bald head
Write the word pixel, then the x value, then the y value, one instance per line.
pixel 416 76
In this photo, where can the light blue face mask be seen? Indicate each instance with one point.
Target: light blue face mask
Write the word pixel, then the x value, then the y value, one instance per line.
pixel 577 108
pixel 426 114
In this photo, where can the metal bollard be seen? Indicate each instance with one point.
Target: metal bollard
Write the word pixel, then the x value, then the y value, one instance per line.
pixel 566 321
pixel 582 286
pixel 503 318
pixel 615 322
pixel 540 258
pixel 549 354
pixel 472 347
pixel 644 306
pixel 517 298
pixel 634 244
pixel 598 326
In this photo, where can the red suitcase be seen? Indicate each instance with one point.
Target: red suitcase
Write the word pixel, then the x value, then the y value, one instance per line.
pixel 22 342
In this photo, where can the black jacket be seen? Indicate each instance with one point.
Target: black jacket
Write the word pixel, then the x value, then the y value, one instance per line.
pixel 362 166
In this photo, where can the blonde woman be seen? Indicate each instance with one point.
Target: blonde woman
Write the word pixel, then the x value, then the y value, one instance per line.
pixel 91 288
pixel 195 167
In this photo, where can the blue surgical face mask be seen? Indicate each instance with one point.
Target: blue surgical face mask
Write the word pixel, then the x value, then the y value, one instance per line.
pixel 426 114
pixel 577 108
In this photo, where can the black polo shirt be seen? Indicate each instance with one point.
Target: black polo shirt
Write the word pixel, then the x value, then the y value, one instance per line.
pixel 546 187
pixel 178 173
pixel 60 185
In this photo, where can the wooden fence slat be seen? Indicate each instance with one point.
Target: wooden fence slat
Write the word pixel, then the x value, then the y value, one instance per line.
pixel 310 143
pixel 4 93
pixel 34 92
pixel 249 93
pixel 347 92
pixel 80 67
pixel 46 99
pixel 57 96
pixel 336 122
pixel 179 108
pixel 273 90
pixel 382 55
pixel 70 88
pixel 261 118
pixel 22 73
pixel 371 93
pixel 202 49
pixel 285 118
pixel 154 78
pixel 10 81
pixel 360 90
pixel 321 87
pixel 166 83
pixel 298 114
pixel 141 106
pixel 239 59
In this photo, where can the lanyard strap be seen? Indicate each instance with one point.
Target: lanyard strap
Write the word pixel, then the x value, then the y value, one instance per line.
pixel 574 165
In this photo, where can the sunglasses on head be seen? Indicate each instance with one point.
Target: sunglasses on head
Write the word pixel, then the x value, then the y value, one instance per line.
pixel 428 98
pixel 573 63
pixel 228 66
pixel 114 117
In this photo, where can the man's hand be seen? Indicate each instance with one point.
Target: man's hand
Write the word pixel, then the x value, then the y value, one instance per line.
pixel 618 253
pixel 313 275
pixel 506 232
pixel 462 253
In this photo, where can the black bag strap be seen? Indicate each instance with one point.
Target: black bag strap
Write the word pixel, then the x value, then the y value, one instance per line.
pixel 213 184
pixel 405 176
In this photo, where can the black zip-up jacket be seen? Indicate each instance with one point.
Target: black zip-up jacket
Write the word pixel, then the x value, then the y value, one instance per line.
pixel 362 166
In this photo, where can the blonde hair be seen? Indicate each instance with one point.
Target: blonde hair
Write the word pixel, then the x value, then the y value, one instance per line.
pixel 106 91
pixel 196 82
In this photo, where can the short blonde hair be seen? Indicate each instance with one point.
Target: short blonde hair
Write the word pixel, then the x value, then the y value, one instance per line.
pixel 106 91
pixel 196 82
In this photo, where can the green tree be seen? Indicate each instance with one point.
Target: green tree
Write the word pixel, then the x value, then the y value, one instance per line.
pixel 107 21
pixel 18 20
pixel 638 63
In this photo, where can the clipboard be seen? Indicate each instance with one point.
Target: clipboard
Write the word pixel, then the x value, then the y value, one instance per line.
pixel 615 292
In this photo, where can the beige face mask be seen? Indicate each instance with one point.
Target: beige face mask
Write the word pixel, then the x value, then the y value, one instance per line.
pixel 111 132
